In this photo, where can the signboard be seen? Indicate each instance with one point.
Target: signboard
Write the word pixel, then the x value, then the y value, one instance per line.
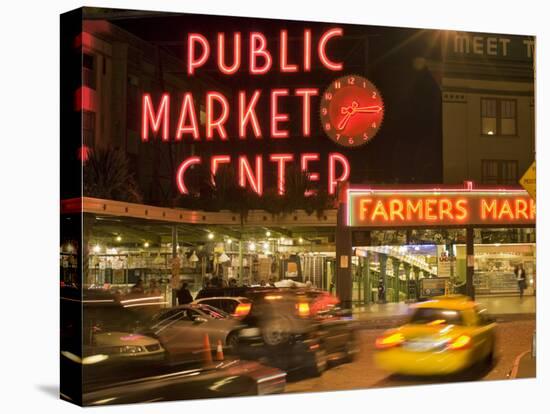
pixel 490 46
pixel 433 287
pixel 438 207
pixel 529 180
pixel 351 108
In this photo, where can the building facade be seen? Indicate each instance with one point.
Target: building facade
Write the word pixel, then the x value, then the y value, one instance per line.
pixel 488 117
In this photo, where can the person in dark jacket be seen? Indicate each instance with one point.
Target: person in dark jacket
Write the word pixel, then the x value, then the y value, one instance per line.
pixel 521 278
pixel 184 296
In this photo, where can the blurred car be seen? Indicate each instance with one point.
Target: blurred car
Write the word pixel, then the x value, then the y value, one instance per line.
pixel 291 328
pixel 117 382
pixel 106 327
pixel 238 307
pixel 336 325
pixel 182 329
pixel 445 335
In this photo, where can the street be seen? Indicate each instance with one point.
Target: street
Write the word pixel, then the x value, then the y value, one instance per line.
pixel 513 338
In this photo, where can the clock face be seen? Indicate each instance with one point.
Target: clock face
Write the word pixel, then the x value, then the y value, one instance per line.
pixel 352 111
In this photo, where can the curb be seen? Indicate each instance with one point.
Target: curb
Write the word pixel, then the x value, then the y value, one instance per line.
pixel 515 368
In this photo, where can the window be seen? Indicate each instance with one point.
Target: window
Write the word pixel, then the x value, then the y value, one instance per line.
pixel 88 128
pixel 499 172
pixel 88 70
pixel 498 116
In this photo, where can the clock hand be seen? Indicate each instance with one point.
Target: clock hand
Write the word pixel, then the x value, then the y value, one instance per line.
pixel 368 109
pixel 344 121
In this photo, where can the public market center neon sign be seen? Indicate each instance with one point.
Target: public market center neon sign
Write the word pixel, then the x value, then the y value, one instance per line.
pixel 235 118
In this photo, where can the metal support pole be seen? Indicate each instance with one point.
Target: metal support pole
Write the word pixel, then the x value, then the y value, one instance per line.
pixel 344 282
pixel 383 277
pixel 470 290
pixel 366 272
pixel 240 262
pixel 416 271
pixel 407 268
pixel 396 265
pixel 174 258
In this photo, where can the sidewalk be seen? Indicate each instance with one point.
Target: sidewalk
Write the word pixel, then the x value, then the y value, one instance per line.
pixel 392 314
pixel 525 366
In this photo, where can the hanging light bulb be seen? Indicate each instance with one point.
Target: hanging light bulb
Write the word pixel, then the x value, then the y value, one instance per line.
pixel 97 248
pixel 146 244
pixel 229 241
pixel 210 236
pixel 266 246
pixel 300 240
pixel 119 238
pixel 268 233
pixel 252 246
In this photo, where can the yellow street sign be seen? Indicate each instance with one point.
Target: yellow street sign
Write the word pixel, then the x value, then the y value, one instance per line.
pixel 529 181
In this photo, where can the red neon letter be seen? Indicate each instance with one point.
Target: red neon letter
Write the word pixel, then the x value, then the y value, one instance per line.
pixel 276 117
pixel 307 50
pixel 488 209
pixel 429 206
pixel 215 161
pixel 181 172
pixel 329 64
pixel 285 66
pixel 379 210
pixel 363 208
pixel 192 61
pixel 462 206
pixel 414 208
pixel 248 114
pixel 305 159
pixel 245 174
pixel 396 209
pixel 211 124
pixel 521 208
pixel 445 208
pixel 332 179
pixel 281 159
pixel 506 209
pixel 306 108
pixel 259 50
pixel 229 70
pixel 161 117
pixel 188 110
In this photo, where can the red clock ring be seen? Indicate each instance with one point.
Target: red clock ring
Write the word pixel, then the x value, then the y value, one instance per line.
pixel 351 110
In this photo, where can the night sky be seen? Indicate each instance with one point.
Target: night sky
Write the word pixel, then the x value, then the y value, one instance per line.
pixel 407 148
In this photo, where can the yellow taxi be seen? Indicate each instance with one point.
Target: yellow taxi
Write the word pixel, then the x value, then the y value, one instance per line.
pixel 445 335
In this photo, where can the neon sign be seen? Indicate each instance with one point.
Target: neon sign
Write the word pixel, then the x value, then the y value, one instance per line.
pixel 212 116
pixel 438 207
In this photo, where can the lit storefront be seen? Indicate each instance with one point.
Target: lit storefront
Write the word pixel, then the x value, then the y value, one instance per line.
pixel 469 240
pixel 130 242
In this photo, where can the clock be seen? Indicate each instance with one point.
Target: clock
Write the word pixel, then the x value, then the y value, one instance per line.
pixel 352 111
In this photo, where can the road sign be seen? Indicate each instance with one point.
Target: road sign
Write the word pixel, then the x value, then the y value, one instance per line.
pixel 529 181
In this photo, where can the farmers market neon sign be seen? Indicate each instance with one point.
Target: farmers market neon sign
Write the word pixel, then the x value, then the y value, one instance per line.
pixel 194 126
pixel 438 206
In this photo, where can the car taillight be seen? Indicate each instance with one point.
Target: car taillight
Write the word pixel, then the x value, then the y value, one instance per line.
pixel 389 341
pixel 241 310
pixel 303 309
pixel 460 342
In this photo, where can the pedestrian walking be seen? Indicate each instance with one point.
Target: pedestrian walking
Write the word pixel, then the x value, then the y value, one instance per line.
pixel 184 296
pixel 521 278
